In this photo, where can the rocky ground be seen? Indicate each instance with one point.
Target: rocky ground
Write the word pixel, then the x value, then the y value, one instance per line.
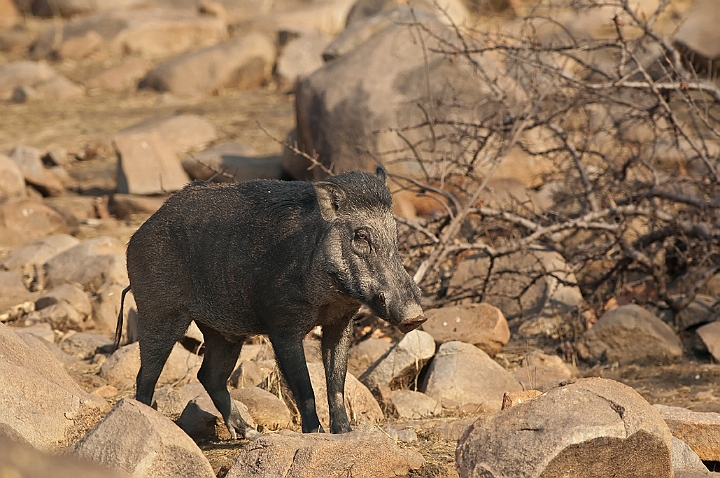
pixel 427 403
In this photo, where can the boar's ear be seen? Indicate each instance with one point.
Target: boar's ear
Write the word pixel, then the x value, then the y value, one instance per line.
pixel 330 196
pixel 381 173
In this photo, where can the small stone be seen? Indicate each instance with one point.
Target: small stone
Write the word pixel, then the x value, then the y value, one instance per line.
pixel 402 363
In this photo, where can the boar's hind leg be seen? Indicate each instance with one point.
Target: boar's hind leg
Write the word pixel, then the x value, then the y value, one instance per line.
pixel 220 358
pixel 335 345
pixel 154 352
pixel 291 360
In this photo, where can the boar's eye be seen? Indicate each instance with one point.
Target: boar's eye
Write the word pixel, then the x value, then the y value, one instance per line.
pixel 362 239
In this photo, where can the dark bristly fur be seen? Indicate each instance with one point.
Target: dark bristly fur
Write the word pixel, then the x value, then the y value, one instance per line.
pixel 268 257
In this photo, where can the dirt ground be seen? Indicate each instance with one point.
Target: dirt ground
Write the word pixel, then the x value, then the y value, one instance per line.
pixel 693 382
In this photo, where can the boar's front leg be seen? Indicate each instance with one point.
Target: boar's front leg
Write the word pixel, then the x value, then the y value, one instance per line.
pixel 290 357
pixel 218 363
pixel 335 344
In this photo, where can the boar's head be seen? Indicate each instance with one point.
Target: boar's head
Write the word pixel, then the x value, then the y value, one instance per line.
pixel 361 247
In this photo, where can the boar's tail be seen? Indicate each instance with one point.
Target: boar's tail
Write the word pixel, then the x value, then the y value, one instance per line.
pixel 118 329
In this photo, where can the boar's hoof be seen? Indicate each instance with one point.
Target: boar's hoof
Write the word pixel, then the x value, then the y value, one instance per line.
pixel 411 324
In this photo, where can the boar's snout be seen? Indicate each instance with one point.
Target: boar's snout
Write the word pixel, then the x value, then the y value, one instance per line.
pixel 411 324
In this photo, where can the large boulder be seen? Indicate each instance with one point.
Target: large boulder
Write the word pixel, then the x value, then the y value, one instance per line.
pixel 699 430
pixel 630 333
pixel 710 336
pixel 22 460
pixel 149 33
pixel 462 375
pixel 148 164
pixel 482 325
pixel 12 181
pixel 347 110
pixel 40 402
pixel 592 428
pixel 293 455
pixel 37 252
pixel 528 284
pixel 133 438
pixel 29 160
pixel 243 62
pixel 232 162
pixel 93 264
pixel 37 80
pixel 25 219
pixel 184 132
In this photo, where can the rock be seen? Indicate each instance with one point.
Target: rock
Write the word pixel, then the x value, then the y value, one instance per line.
pixel 123 76
pixel 9 14
pixel 300 56
pixel 700 311
pixel 40 77
pixel 41 331
pixel 75 209
pixel 291 454
pixel 339 113
pixel 250 374
pixel 462 375
pixel 66 293
pixel 121 368
pixel 629 333
pixel 37 252
pixel 84 345
pixel 401 433
pixel 30 375
pixel 359 402
pixel 61 316
pixel 184 132
pixel 592 428
pixel 326 17
pixel 243 63
pixel 29 160
pixel 12 181
pixel 77 48
pixel 710 335
pixel 64 307
pixel 149 33
pixel 402 363
pixel 453 11
pixel 124 206
pixel 543 372
pixel 147 165
pixel 11 284
pixel 410 404
pixel 366 353
pixel 17 459
pixel 93 264
pixel 106 307
pixel 265 408
pixel 530 277
pixel 510 399
pixel 699 430
pixel 683 458
pixel 698 37
pixel 232 162
pixel 171 401
pixel 24 219
pixel 201 420
pixel 134 438
pixel 482 325
pixel 14 40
